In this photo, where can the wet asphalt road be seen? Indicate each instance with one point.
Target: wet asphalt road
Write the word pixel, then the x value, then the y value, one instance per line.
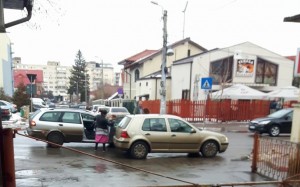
pixel 37 165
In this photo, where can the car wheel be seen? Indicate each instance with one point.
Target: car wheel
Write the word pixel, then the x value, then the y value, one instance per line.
pixel 139 150
pixel 209 149
pixel 56 138
pixel 274 130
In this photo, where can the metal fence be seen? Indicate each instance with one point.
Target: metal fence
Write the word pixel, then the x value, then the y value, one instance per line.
pixel 275 158
pixel 213 110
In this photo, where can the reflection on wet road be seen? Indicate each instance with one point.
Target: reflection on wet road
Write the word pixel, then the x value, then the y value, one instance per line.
pixel 38 165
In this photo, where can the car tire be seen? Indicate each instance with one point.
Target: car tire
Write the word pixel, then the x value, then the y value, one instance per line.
pixel 139 150
pixel 274 130
pixel 56 138
pixel 209 149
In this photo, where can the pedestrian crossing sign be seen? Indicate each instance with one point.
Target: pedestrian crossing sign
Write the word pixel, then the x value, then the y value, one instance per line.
pixel 206 83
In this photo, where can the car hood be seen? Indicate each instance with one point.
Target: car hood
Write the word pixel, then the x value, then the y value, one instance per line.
pixel 211 133
pixel 257 120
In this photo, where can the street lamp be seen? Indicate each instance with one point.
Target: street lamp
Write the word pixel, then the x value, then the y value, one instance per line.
pixel 163 63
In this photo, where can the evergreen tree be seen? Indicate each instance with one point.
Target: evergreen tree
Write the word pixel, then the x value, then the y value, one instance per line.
pixel 3 96
pixel 77 80
pixel 20 97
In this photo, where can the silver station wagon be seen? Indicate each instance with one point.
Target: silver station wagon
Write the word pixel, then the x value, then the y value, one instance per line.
pixel 154 133
pixel 62 125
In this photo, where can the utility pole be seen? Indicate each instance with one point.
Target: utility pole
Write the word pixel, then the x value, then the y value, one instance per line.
pixel 85 90
pixel 184 19
pixel 102 79
pixel 2 24
pixel 163 66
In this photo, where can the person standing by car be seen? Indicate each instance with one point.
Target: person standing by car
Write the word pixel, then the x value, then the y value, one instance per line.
pixel 101 129
pixel 112 129
pixel 140 105
pixel 278 104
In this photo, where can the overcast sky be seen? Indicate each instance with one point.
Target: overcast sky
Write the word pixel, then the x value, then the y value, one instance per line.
pixel 117 29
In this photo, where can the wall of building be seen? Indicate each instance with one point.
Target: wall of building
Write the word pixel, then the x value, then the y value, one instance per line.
pixel 153 65
pixel 6 75
pixel 201 65
pixel 180 80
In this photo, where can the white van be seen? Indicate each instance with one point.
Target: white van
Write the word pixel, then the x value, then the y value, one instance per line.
pixel 38 101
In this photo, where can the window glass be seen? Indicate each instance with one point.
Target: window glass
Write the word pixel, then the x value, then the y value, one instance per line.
pixel 154 124
pixel 87 117
pixel 50 116
pixel 124 122
pixel 118 110
pixel 179 126
pixel 266 72
pixel 221 70
pixel 71 117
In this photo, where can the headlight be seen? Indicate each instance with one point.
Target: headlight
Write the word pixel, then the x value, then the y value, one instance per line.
pixel 224 139
pixel 264 122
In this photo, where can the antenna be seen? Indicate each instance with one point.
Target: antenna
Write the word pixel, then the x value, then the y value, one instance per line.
pixel 184 18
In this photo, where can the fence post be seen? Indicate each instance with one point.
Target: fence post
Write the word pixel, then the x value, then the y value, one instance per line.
pixel 255 152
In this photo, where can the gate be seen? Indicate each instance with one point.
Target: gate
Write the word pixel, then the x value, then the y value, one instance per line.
pixel 275 158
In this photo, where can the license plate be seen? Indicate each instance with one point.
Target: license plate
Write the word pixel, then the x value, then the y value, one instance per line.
pixel 252 127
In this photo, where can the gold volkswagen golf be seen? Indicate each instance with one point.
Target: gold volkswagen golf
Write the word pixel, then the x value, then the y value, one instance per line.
pixel 155 133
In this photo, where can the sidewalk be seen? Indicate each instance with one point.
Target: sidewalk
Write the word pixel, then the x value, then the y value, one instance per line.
pixel 232 126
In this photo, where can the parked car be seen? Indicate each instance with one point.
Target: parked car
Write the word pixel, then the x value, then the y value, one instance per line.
pixel 13 108
pixel 273 124
pixel 62 125
pixel 151 133
pixel 5 113
pixel 95 108
pixel 118 112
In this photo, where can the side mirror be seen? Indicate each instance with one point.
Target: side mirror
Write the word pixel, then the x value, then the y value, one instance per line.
pixel 193 131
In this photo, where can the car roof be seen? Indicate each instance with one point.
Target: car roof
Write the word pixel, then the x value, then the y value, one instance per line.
pixel 67 109
pixel 154 115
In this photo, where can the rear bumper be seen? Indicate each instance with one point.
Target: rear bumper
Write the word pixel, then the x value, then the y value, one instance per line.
pixel 121 144
pixel 36 133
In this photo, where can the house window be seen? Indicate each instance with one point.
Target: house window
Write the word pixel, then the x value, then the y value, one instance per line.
pixel 221 70
pixel 146 83
pixel 266 72
pixel 189 53
pixel 185 94
pixel 136 75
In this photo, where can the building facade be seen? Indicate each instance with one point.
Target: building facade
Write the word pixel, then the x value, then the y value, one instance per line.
pixel 56 76
pixel 6 71
pixel 141 76
pixel 245 63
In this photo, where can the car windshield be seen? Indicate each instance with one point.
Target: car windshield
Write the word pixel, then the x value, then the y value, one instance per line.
pixel 124 122
pixel 280 113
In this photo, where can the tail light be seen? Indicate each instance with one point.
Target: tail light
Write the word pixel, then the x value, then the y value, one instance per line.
pixel 5 111
pixel 32 123
pixel 124 134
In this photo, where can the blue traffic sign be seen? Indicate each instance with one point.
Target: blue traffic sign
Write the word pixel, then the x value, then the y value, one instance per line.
pixel 206 83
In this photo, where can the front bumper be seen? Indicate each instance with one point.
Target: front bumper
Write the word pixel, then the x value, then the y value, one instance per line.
pixel 257 128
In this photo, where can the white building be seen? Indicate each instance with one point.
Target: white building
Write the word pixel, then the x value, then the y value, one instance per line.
pixel 6 73
pixel 56 76
pixel 245 63
pixel 142 72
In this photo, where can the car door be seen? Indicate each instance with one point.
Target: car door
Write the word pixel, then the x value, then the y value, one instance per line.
pixel 286 123
pixel 155 131
pixel 71 126
pixel 181 138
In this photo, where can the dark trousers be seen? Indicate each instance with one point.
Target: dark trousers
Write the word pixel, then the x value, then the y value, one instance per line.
pixel 103 146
